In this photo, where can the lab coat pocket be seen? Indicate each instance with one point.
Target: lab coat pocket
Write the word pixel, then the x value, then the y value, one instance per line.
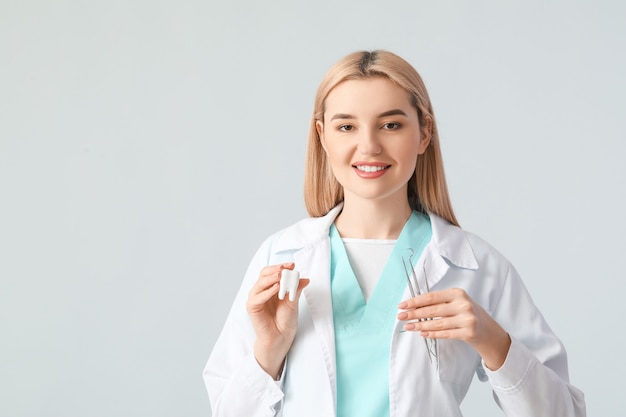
pixel 457 361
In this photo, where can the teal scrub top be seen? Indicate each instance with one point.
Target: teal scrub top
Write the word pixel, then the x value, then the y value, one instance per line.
pixel 363 329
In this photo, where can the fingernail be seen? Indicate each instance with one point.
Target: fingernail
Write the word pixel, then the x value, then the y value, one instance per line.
pixel 403 316
pixel 402 305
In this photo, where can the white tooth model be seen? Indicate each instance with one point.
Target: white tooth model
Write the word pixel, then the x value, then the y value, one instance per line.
pixel 288 284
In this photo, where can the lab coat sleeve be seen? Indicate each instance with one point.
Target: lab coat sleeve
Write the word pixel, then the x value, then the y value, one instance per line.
pixel 534 379
pixel 236 383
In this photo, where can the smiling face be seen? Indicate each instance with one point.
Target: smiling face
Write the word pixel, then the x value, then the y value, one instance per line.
pixel 371 135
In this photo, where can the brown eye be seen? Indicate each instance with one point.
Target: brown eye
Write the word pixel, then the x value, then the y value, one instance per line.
pixel 391 126
pixel 345 128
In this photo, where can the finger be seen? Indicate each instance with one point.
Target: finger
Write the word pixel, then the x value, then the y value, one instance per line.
pixel 256 299
pixel 301 286
pixel 268 276
pixel 428 312
pixel 431 298
pixel 273 269
pixel 459 305
pixel 458 334
pixel 304 282
pixel 431 326
pixel 444 328
pixel 263 284
pixel 423 300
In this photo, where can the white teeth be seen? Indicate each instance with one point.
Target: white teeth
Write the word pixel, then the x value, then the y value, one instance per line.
pixel 370 168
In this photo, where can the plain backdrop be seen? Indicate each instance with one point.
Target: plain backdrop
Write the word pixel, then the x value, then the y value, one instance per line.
pixel 148 147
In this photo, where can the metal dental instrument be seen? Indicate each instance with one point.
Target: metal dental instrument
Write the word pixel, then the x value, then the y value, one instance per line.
pixel 414 288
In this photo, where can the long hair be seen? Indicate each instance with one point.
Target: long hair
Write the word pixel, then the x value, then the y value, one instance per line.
pixel 427 189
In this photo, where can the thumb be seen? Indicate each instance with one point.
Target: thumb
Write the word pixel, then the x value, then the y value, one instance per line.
pixel 301 286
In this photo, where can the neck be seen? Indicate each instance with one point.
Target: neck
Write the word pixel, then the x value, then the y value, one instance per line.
pixel 367 219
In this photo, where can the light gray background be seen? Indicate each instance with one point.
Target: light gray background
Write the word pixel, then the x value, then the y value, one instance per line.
pixel 147 148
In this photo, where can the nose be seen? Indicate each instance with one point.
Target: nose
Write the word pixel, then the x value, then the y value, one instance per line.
pixel 369 143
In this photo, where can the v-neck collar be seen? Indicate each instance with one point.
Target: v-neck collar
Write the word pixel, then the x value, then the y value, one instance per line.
pixel 350 310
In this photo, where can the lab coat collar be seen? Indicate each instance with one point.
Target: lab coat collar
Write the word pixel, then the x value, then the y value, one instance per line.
pixel 449 241
pixel 307 231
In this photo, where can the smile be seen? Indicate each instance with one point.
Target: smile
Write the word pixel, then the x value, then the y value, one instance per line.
pixel 371 168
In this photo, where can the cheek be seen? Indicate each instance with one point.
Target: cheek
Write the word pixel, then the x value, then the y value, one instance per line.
pixel 408 150
pixel 409 158
pixel 336 151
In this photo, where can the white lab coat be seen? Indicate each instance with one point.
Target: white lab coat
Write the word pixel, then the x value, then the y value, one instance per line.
pixel 532 382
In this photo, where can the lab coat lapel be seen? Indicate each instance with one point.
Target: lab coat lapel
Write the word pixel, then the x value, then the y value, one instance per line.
pixel 433 265
pixel 451 243
pixel 314 263
pixel 448 246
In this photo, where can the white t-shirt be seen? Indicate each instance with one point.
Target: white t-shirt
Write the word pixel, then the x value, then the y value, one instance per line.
pixel 368 258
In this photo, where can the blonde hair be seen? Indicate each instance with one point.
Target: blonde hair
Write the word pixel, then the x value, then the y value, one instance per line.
pixel 427 190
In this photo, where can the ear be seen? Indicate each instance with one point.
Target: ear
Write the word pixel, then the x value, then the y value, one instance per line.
pixel 319 126
pixel 426 133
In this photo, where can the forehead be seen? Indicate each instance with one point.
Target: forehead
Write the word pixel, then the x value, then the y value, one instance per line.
pixel 367 96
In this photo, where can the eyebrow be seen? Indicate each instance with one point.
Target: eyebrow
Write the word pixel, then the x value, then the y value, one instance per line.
pixel 394 112
pixel 342 116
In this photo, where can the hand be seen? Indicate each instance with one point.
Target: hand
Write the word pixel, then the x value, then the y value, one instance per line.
pixel 274 321
pixel 452 314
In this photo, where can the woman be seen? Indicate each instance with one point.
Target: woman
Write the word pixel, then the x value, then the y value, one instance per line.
pixel 399 307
